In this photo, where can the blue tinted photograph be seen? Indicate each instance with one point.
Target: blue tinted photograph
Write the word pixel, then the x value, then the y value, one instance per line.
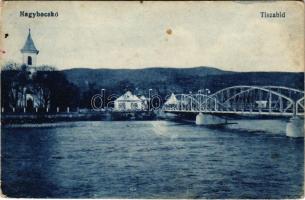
pixel 152 100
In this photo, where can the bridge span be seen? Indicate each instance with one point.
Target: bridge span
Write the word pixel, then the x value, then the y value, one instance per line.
pixel 239 100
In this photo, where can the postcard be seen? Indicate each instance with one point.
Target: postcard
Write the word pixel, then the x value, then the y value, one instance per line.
pixel 152 100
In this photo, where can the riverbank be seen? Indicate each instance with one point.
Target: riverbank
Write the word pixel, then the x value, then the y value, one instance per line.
pixel 37 118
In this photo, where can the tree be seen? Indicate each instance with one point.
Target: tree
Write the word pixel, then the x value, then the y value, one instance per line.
pixel 49 85
pixel 124 85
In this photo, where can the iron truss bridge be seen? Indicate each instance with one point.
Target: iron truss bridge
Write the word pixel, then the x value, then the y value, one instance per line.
pixel 244 100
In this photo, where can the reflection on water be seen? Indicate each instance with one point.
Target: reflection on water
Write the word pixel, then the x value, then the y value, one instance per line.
pixel 152 159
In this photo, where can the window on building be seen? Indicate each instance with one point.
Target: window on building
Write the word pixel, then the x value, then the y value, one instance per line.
pixel 122 106
pixel 29 60
pixel 134 106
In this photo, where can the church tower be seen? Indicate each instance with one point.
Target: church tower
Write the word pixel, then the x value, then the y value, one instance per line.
pixel 29 52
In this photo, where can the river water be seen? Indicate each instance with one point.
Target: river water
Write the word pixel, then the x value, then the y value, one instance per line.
pixel 152 159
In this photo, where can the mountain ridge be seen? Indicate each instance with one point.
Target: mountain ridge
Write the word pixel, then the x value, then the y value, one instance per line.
pixel 165 79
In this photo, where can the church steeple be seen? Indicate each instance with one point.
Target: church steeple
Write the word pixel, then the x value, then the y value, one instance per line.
pixel 29 51
pixel 29 46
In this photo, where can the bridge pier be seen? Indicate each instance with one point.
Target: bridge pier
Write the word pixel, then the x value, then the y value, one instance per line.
pixel 295 127
pixel 208 119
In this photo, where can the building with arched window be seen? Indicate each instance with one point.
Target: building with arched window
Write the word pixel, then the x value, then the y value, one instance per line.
pixel 29 52
pixel 29 61
pixel 30 97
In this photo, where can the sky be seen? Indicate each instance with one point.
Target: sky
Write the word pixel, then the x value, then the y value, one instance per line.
pixel 225 35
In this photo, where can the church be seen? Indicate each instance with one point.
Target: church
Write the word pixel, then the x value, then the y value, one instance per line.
pixel 30 97
pixel 29 53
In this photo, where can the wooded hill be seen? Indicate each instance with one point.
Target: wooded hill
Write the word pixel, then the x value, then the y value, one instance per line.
pixel 167 80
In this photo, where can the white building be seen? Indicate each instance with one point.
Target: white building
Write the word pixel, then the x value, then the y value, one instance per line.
pixel 30 96
pixel 261 104
pixel 172 102
pixel 130 102
pixel 29 53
